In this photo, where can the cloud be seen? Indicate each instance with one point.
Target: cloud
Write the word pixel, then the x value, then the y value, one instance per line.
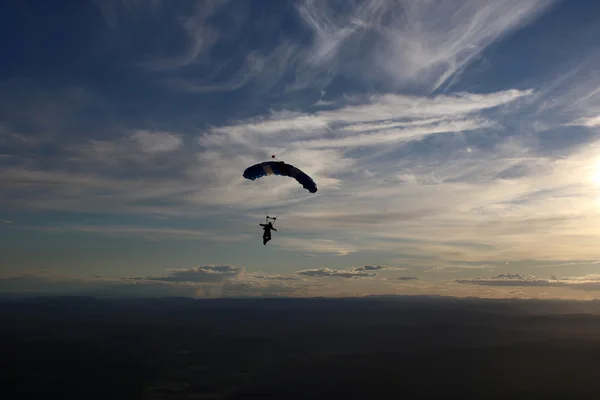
pixel 271 277
pixel 326 272
pixel 157 142
pixel 366 41
pixel 432 41
pixel 568 264
pixel 138 147
pixel 370 268
pixel 205 274
pixel 224 281
pixel 453 267
pixel 395 136
pixel 387 122
pixel 258 70
pixel 354 272
pixel 318 246
pixel 590 122
pixel 13 141
pixel 587 283
pixel 369 121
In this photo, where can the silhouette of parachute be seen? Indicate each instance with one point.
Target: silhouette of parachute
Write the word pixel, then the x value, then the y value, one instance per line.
pixel 280 168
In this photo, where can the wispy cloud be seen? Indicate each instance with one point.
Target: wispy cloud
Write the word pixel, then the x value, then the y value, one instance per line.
pixel 409 117
pixel 568 264
pixel 140 146
pixel 262 71
pixel 590 122
pixel 315 245
pixel 590 282
pixel 199 35
pixel 353 272
pixel 205 274
pixel 113 11
pixel 431 40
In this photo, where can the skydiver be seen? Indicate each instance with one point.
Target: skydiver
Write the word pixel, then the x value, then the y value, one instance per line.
pixel 267 231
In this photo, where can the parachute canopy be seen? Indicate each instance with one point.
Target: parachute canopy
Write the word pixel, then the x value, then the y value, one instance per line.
pixel 280 168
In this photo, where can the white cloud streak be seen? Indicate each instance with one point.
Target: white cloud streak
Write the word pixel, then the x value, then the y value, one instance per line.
pixel 586 283
pixel 432 41
pixel 590 122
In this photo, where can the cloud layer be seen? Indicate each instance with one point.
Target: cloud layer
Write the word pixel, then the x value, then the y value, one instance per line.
pixel 206 274
pixel 354 272
pixel 586 283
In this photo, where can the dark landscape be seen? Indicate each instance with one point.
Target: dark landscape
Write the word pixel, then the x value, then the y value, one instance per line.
pixel 378 347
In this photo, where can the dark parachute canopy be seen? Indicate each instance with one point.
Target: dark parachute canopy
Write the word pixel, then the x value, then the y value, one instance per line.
pixel 280 168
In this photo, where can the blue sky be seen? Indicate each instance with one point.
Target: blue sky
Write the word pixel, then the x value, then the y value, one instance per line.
pixel 455 145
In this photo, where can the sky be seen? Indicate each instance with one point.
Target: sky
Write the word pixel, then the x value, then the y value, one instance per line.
pixel 455 145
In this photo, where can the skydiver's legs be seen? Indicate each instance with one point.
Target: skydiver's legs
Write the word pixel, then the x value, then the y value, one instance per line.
pixel 266 237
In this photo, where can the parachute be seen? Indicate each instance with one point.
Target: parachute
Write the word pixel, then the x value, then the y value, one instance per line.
pixel 269 201
pixel 280 168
